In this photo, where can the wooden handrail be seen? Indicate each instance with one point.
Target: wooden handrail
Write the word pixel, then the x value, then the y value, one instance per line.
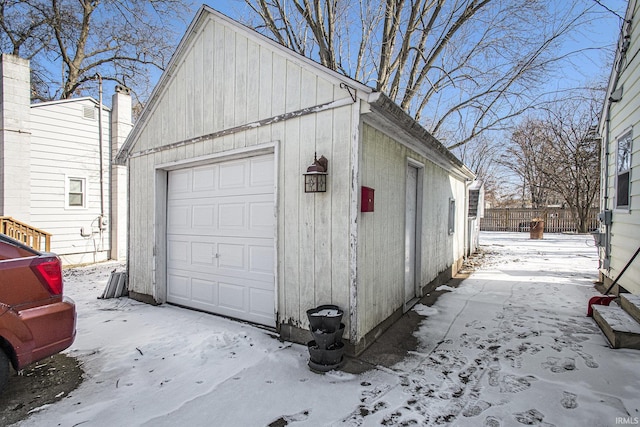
pixel 25 233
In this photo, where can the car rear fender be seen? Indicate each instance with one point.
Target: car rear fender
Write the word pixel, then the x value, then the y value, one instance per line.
pixel 17 338
pixel 48 340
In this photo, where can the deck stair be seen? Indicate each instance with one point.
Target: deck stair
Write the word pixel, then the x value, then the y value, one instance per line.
pixel 31 236
pixel 620 322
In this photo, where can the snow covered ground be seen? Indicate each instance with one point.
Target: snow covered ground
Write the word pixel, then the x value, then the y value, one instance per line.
pixel 510 346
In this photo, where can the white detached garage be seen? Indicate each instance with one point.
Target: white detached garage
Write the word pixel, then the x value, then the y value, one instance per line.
pixel 221 221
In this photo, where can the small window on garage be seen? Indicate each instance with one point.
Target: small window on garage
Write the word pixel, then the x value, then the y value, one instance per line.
pixel 452 216
pixel 76 192
pixel 623 167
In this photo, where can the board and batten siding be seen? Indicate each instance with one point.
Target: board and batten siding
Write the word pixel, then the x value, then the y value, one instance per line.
pixel 381 234
pixel 224 80
pixel 228 79
pixel 65 143
pixel 625 117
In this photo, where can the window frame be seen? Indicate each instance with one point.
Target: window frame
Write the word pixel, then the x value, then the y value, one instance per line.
pixel 452 216
pixel 623 171
pixel 68 193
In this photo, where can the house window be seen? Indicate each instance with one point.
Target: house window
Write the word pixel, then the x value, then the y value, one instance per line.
pixel 623 168
pixel 452 216
pixel 76 192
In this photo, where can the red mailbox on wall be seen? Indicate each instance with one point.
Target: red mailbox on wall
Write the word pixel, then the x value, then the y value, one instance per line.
pixel 366 201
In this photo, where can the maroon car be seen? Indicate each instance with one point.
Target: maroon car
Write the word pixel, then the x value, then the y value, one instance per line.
pixel 36 320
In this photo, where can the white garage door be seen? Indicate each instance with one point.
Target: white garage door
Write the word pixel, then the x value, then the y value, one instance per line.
pixel 220 231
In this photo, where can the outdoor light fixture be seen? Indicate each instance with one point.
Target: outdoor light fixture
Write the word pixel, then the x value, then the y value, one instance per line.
pixel 315 180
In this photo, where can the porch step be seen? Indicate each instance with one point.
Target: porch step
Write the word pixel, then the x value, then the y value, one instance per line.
pixel 620 328
pixel 631 304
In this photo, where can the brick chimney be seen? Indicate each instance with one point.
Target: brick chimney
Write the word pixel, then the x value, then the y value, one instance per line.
pixel 120 127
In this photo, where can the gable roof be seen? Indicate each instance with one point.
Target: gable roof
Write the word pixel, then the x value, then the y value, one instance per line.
pixel 200 18
pixel 384 108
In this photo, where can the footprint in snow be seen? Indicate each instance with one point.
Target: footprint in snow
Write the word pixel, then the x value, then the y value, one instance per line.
pixel 356 418
pixel 288 419
pixel 531 417
pixel 514 384
pixel 475 409
pixel 527 334
pixel 369 396
pixel 569 400
pixel 588 360
pixel 448 359
pixel 494 373
pixel 450 391
pixel 514 356
pixel 469 341
pixel 475 324
pixel 557 365
pixel 398 418
pixel 467 374
pixel 492 421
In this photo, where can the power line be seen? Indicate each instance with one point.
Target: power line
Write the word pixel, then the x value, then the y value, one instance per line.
pixel 609 9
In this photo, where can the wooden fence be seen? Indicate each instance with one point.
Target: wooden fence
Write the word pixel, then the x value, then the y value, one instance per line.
pixel 555 220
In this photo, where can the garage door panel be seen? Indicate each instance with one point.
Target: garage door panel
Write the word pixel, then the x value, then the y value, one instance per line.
pixel 222 239
pixel 261 301
pixel 204 215
pixel 178 251
pixel 233 175
pixel 261 259
pixel 261 216
pixel 231 216
pixel 261 172
pixel 203 253
pixel 180 181
pixel 179 216
pixel 231 256
pixel 204 178
pixel 180 286
pixel 204 291
pixel 232 296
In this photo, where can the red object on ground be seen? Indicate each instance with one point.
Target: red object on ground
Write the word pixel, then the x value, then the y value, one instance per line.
pixel 599 300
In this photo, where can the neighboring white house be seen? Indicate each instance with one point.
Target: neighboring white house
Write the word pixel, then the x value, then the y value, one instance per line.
pixel 57 173
pixel 620 178
pixel 219 217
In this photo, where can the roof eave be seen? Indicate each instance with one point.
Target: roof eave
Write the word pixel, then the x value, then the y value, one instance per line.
pixel 385 108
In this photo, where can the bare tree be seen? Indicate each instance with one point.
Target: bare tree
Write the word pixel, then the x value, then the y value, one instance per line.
pixel 526 156
pixel 574 162
pixel 482 157
pixel 123 41
pixel 558 152
pixel 22 29
pixel 461 67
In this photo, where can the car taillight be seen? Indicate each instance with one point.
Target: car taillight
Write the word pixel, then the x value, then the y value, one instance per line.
pixel 49 271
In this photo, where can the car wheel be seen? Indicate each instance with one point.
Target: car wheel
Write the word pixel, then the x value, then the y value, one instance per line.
pixel 4 370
